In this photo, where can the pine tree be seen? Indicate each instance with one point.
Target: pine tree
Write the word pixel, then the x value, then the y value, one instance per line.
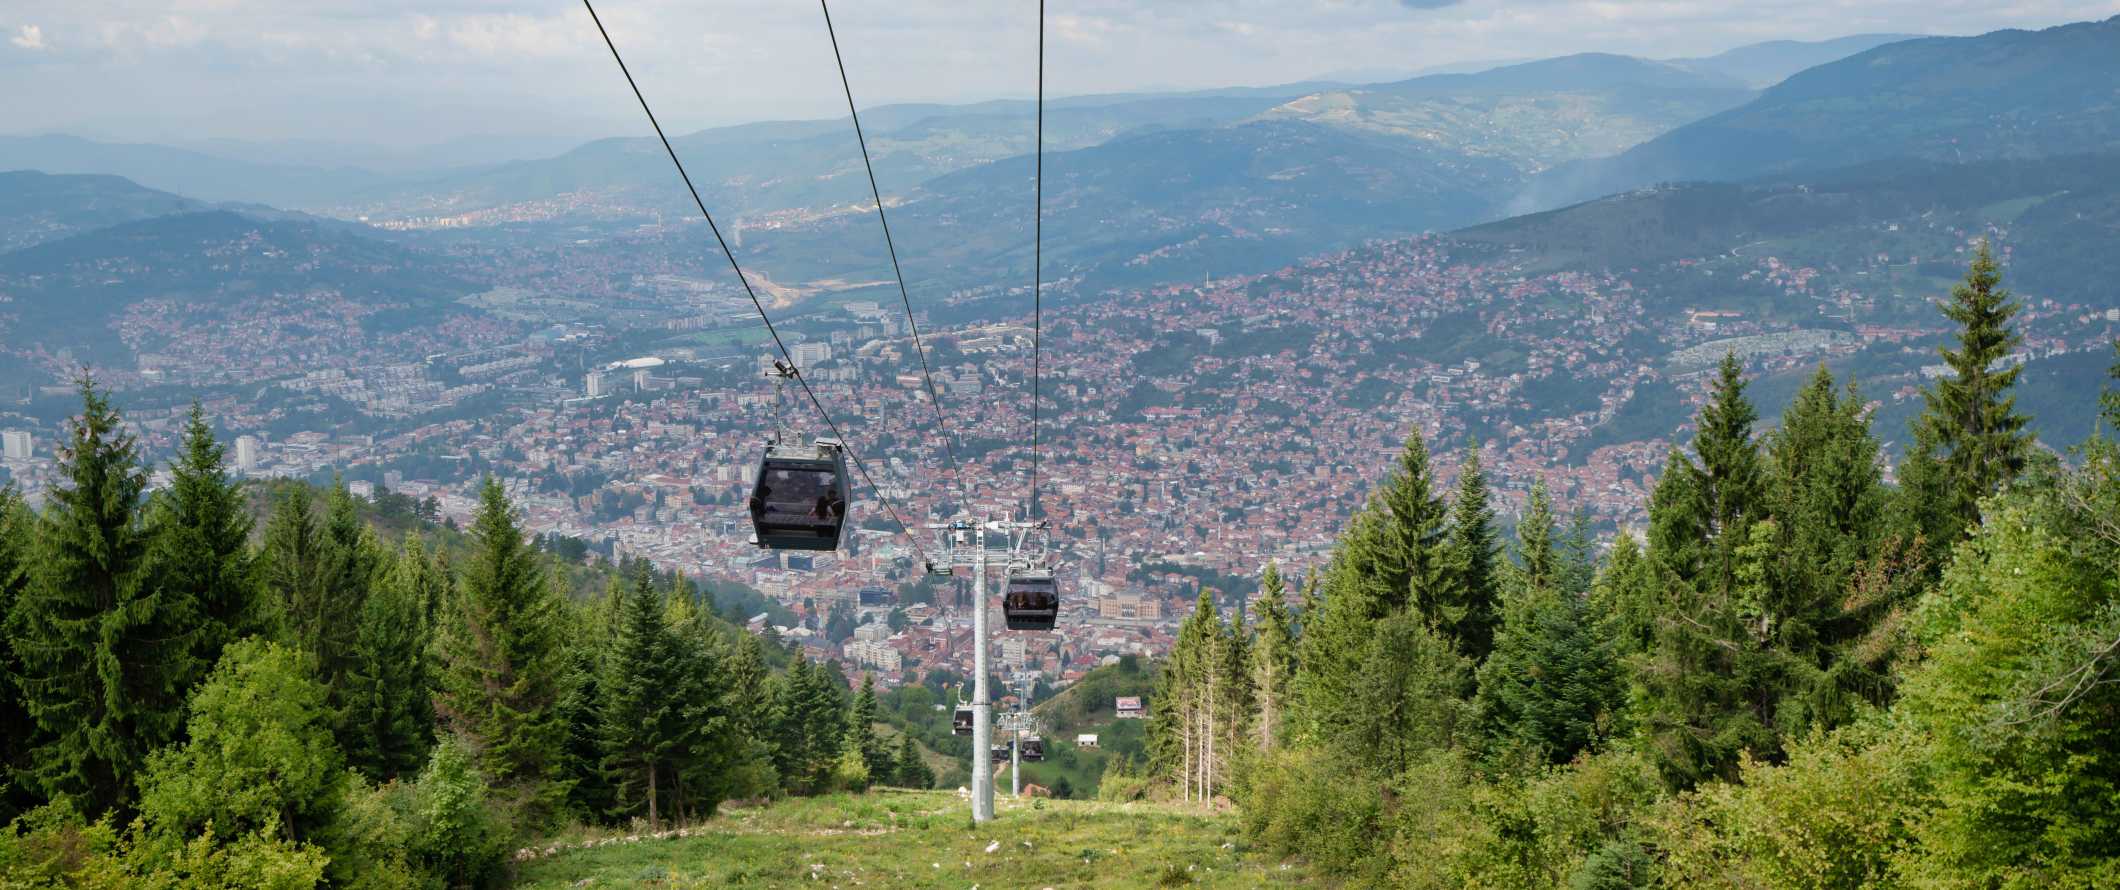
pixel 1730 481
pixel 199 547
pixel 388 718
pixel 1578 547
pixel 1409 686
pixel 1706 686
pixel 1272 661
pixel 1535 550
pixel 503 663
pixel 1624 599
pixel 1239 701
pixel 1969 427
pixel 104 659
pixel 909 770
pixel 1467 613
pixel 291 563
pixel 17 526
pixel 1828 500
pixel 1551 688
pixel 861 730
pixel 1408 564
pixel 643 716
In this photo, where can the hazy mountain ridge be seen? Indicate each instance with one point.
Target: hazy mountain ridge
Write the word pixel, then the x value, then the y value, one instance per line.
pixel 2007 94
pixel 37 207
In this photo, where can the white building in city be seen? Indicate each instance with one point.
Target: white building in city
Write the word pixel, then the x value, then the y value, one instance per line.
pixel 247 448
pixel 15 444
pixel 596 385
pixel 807 354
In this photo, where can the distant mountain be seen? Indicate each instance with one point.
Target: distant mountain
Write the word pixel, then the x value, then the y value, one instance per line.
pixel 1761 65
pixel 70 291
pixel 1533 115
pixel 36 207
pixel 2008 94
pixel 1581 71
pixel 203 176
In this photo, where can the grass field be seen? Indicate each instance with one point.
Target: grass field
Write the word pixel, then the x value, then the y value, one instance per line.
pixel 926 839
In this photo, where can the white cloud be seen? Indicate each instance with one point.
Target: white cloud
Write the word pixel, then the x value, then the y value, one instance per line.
pixel 29 37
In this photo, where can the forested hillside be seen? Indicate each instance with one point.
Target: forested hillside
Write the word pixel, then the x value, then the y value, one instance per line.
pixel 1804 673
pixel 349 693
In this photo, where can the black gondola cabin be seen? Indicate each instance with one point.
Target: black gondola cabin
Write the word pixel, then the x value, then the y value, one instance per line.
pixel 1032 601
pixel 1034 748
pixel 961 722
pixel 800 499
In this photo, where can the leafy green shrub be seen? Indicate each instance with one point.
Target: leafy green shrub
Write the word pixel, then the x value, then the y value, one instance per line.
pixel 458 836
pixel 1303 802
pixel 1836 815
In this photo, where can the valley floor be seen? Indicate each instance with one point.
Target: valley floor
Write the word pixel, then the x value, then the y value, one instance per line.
pixel 925 839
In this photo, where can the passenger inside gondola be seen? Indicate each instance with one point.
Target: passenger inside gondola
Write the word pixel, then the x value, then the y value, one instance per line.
pixel 798 497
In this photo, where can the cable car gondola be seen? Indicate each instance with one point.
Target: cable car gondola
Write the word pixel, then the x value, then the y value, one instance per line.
pixel 1033 749
pixel 800 499
pixel 961 722
pixel 1002 752
pixel 1032 601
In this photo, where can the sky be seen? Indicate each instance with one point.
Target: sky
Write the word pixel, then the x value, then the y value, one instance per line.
pixel 532 76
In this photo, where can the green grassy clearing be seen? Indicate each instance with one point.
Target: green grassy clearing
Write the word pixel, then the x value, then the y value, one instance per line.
pixel 926 839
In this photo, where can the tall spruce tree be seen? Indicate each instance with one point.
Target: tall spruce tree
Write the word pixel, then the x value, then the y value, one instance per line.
pixel 643 715
pixel 387 717
pixel 1388 561
pixel 1409 686
pixel 1706 685
pixel 1469 611
pixel 17 526
pixel 1551 690
pixel 861 731
pixel 503 662
pixel 199 547
pixel 1273 660
pixel 105 659
pixel 292 565
pixel 1828 498
pixel 1970 429
pixel 908 770
pixel 1536 552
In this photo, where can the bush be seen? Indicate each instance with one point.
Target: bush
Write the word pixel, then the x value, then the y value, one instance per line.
pixel 1836 815
pixel 1303 802
pixel 457 835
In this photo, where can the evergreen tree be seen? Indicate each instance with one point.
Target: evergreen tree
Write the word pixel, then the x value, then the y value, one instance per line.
pixel 1467 613
pixel 643 716
pixel 909 770
pixel 1706 686
pixel 1624 599
pixel 291 562
pixel 1535 550
pixel 1273 661
pixel 1730 481
pixel 198 549
pixel 861 731
pixel 388 719
pixel 1578 547
pixel 16 528
pixel 1388 561
pixel 1551 689
pixel 104 659
pixel 1409 686
pixel 503 663
pixel 1970 427
pixel 1408 562
pixel 1828 500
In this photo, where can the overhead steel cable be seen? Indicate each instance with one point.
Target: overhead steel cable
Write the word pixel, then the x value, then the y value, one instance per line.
pixel 1037 261
pixel 934 394
pixel 815 402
